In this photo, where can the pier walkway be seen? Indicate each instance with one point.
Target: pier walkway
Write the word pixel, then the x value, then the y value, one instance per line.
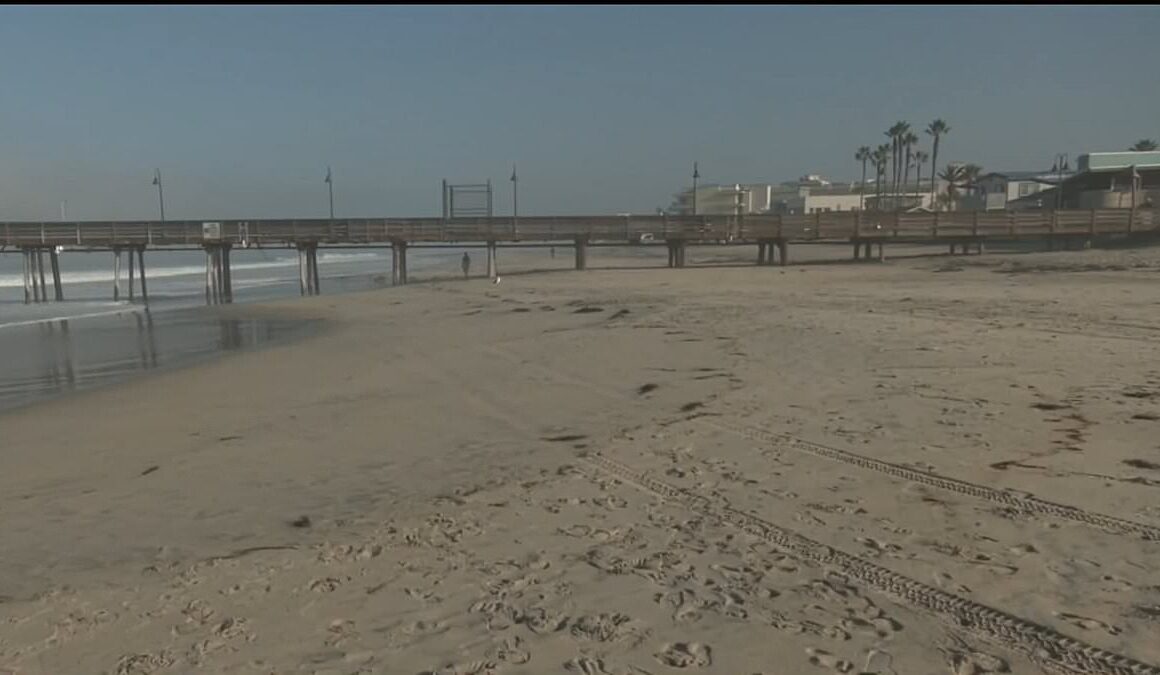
pixel 771 234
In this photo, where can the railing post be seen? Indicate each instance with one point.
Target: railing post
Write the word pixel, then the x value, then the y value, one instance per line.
pixel 78 234
pixel 857 224
pixel 43 240
pixel 1092 223
pixel 1011 223
pixel 1054 222
pixel 817 224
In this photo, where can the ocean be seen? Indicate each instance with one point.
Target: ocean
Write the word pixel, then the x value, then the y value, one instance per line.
pixel 54 348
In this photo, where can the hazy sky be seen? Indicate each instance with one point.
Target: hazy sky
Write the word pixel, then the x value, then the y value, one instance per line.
pixel 604 108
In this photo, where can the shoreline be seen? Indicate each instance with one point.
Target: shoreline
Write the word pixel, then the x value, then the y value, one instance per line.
pixel 408 489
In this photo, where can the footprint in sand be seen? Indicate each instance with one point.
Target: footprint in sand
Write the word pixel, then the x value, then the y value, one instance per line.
pixel 471 668
pixel 498 615
pixel 585 665
pixel 340 631
pixel 685 655
pixel 132 664
pixel 974 663
pixel 824 659
pixel 326 585
pixel 1088 623
pixel 511 650
pixel 600 627
pixel 407 634
pixel 543 621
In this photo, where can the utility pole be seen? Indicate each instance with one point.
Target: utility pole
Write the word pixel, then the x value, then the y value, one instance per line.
pixel 160 192
pixel 515 201
pixel 1059 168
pixel 696 175
pixel 330 190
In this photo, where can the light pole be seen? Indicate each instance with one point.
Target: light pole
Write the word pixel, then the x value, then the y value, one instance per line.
pixel 160 192
pixel 515 201
pixel 1135 175
pixel 1058 168
pixel 330 191
pixel 696 175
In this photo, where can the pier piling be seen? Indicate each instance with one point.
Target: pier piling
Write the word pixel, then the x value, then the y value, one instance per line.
pixel 116 275
pixel 40 271
pixel 218 280
pixel 581 253
pixel 141 266
pixel 132 275
pixel 308 278
pixel 57 287
pixel 398 263
pixel 27 276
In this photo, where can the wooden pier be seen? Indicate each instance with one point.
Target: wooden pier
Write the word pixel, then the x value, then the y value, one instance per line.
pixel 772 235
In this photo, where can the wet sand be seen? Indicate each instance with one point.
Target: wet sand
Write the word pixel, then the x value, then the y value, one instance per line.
pixel 49 359
pixel 844 468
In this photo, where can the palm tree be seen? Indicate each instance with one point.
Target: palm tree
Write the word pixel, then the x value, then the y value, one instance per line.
pixel 909 139
pixel 896 134
pixel 937 129
pixel 970 176
pixel 881 161
pixel 920 158
pixel 955 178
pixel 863 155
pixel 1144 145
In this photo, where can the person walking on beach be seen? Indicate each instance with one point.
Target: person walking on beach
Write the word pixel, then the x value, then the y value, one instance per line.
pixel 466 264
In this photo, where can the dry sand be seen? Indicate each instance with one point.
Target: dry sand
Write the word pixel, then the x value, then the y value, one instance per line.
pixel 720 470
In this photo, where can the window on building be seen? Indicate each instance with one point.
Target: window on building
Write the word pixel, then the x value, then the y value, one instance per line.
pixel 1025 189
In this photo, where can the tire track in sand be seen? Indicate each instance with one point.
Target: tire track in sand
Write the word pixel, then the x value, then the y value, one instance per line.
pixel 1021 503
pixel 1052 651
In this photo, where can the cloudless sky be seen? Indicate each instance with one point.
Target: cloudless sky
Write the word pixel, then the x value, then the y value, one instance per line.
pixel 603 108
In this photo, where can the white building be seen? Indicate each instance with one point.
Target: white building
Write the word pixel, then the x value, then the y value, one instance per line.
pixel 996 189
pixel 811 194
pixel 724 199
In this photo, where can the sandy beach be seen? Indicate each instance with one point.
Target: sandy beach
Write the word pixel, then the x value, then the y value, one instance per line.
pixel 933 465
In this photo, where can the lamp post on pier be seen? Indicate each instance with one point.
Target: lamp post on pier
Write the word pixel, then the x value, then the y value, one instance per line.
pixel 330 191
pixel 696 175
pixel 515 202
pixel 160 192
pixel 1059 168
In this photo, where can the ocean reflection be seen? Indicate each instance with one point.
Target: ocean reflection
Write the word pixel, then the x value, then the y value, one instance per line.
pixel 56 357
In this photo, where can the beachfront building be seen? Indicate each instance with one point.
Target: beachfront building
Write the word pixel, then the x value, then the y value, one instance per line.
pixel 808 195
pixel 1103 180
pixel 734 199
pixel 994 190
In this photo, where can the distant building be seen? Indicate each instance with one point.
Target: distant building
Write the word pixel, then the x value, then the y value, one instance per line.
pixel 996 189
pixel 1103 180
pixel 812 194
pixel 736 199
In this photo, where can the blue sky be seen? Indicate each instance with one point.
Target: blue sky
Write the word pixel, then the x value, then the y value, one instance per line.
pixel 604 108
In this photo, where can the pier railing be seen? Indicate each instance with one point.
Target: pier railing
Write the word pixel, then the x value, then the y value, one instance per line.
pixel 833 226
